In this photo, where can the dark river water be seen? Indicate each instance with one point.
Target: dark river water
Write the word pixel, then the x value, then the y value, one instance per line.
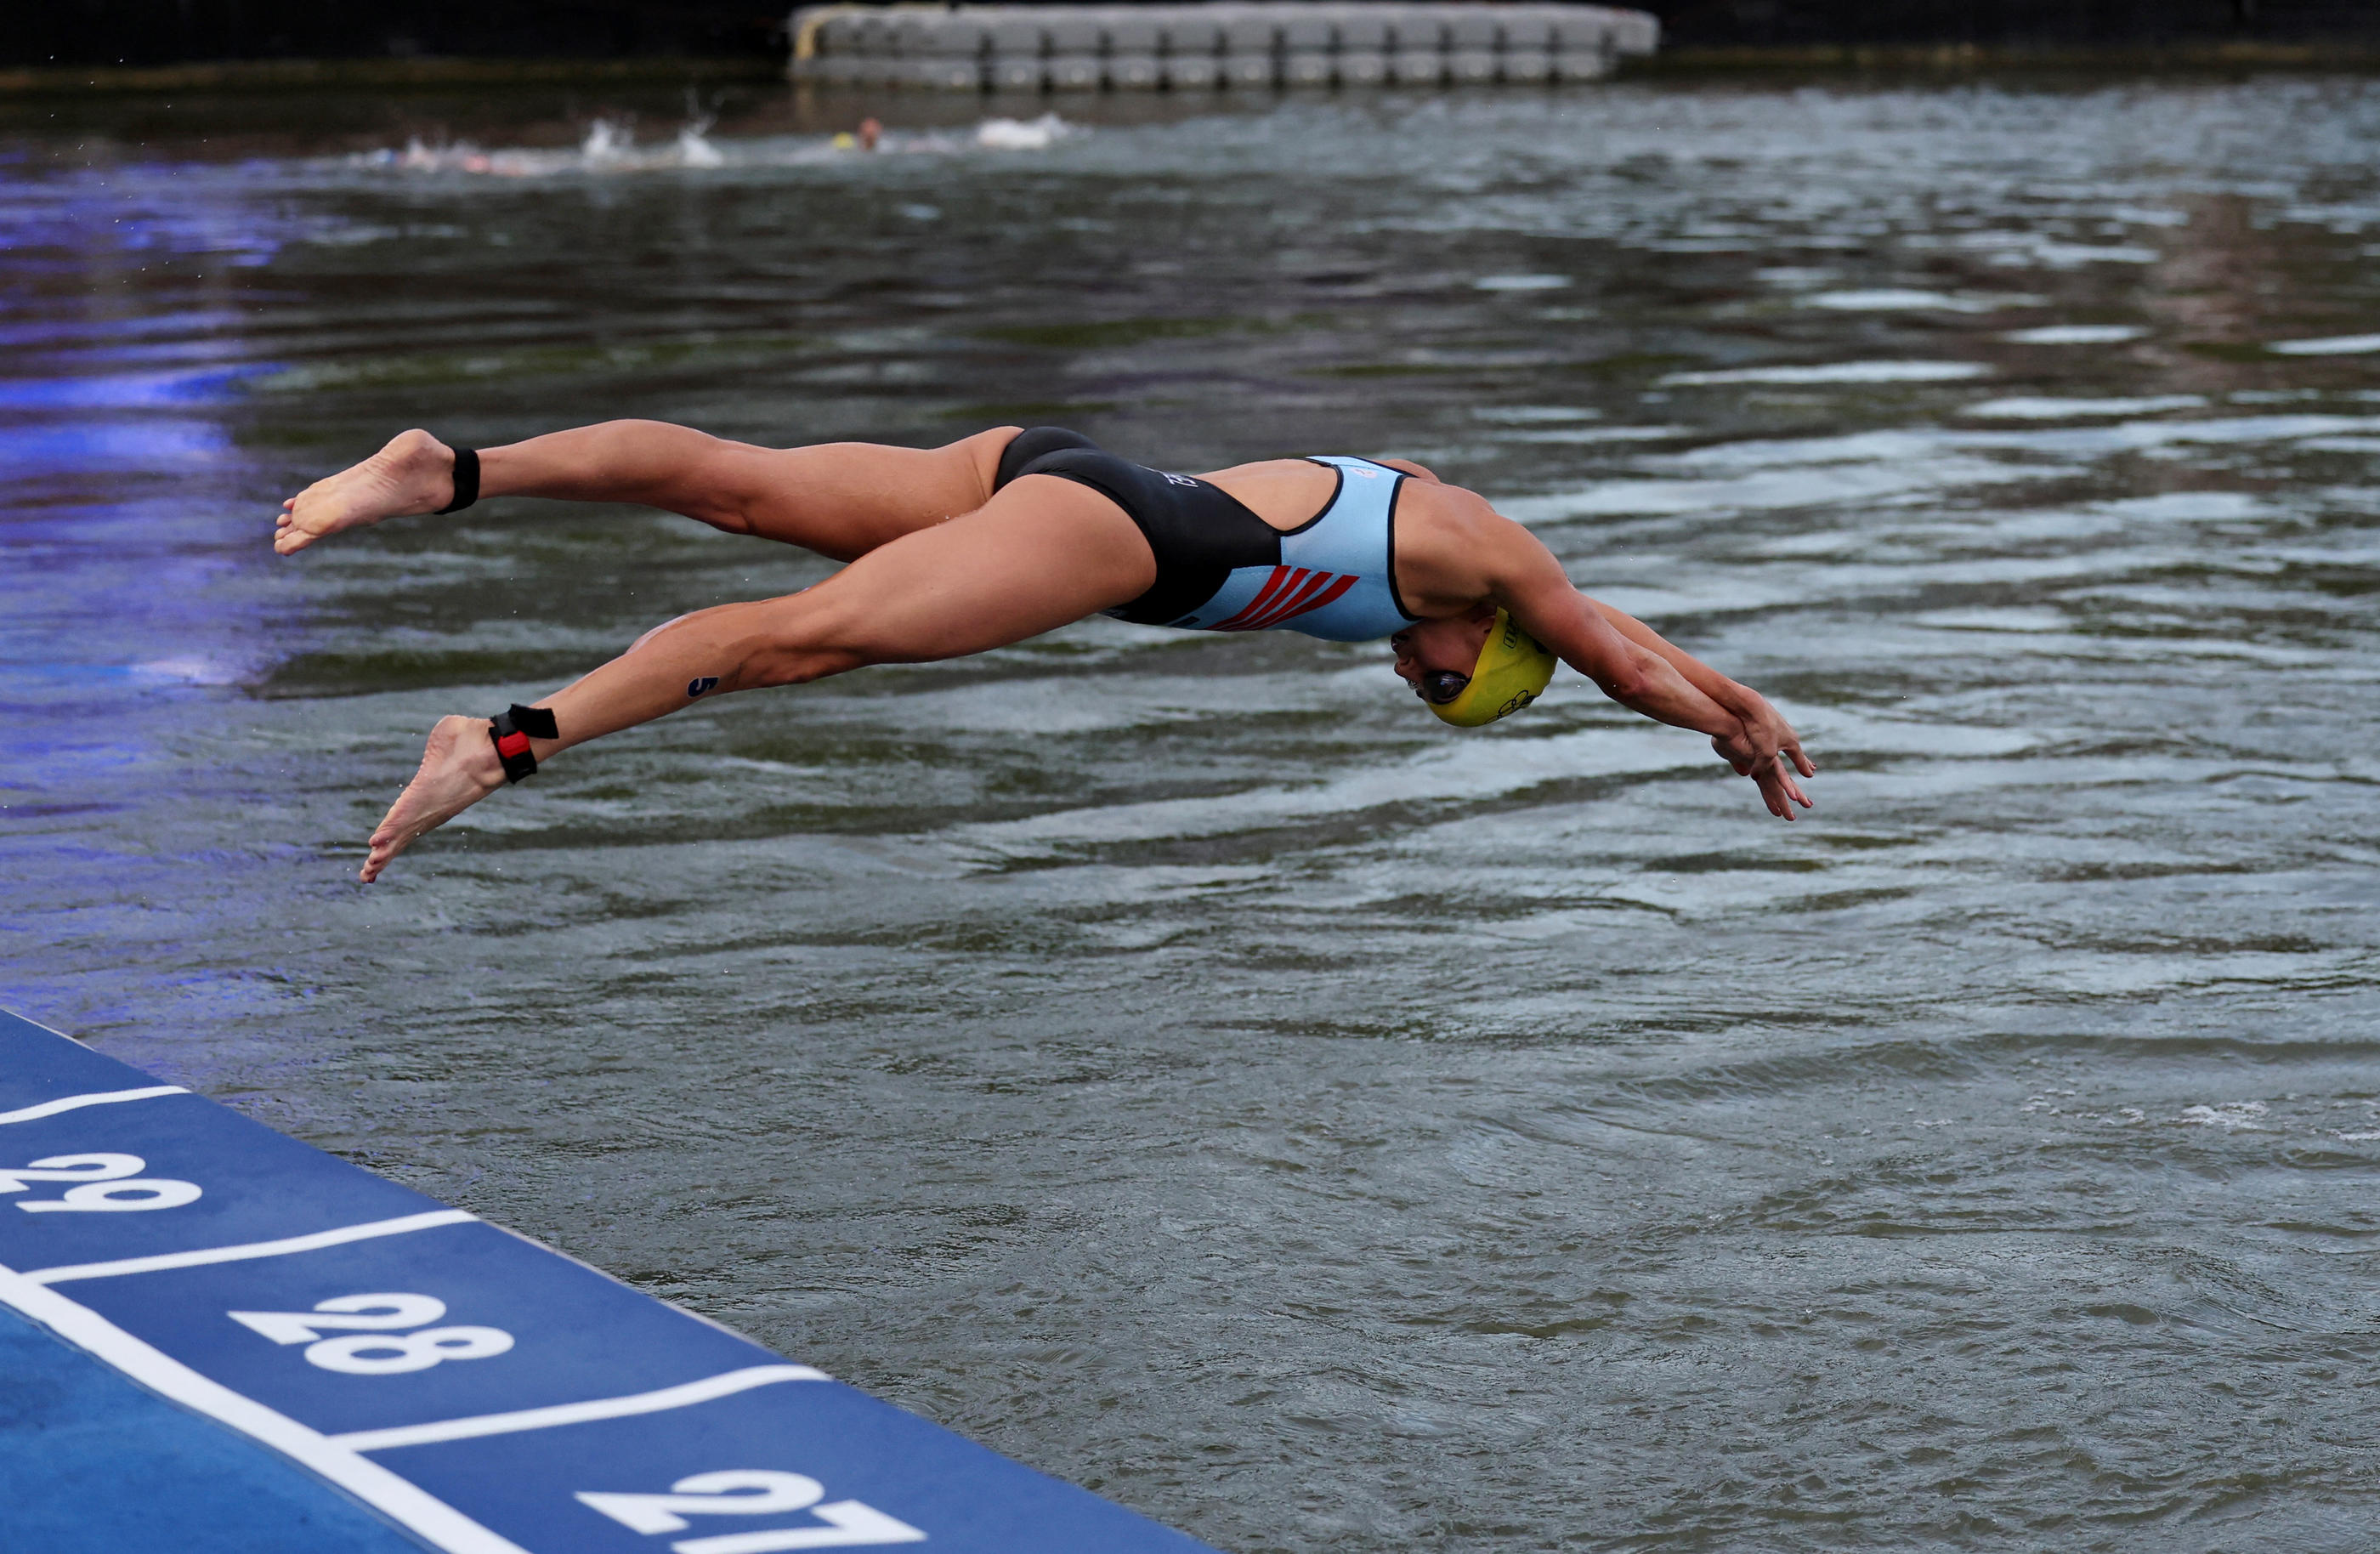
pixel 1177 1061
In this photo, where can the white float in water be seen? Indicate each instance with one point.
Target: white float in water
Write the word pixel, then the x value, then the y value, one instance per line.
pixel 2074 334
pixel 1836 372
pixel 1020 135
pixel 2337 345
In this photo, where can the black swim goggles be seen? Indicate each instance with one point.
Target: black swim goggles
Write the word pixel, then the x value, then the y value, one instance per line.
pixel 1439 686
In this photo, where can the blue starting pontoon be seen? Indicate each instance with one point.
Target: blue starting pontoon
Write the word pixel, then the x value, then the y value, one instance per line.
pixel 325 1331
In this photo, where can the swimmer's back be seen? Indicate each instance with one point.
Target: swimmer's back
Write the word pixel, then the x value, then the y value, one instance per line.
pixel 1305 545
pixel 1285 492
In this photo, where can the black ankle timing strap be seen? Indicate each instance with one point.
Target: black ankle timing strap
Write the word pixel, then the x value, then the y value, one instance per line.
pixel 511 729
pixel 467 480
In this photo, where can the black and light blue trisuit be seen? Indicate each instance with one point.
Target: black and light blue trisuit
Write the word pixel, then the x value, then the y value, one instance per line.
pixel 1220 567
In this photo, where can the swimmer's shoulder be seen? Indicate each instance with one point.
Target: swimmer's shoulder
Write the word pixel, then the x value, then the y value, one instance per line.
pixel 1453 543
pixel 1464 517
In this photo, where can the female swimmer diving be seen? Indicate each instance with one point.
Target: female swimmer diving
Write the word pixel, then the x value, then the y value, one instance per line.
pixel 1008 534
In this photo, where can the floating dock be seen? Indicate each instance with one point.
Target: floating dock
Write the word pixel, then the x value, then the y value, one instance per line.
pixel 233 1344
pixel 1208 47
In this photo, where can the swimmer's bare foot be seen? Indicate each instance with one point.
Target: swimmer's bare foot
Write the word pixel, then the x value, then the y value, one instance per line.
pixel 459 767
pixel 413 474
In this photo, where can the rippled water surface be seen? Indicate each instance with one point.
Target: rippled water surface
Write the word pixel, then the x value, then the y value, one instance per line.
pixel 1178 1062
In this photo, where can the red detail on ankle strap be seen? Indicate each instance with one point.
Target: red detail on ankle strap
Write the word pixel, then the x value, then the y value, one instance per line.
pixel 512 744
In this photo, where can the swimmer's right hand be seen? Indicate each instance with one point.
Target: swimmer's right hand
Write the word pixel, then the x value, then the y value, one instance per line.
pixel 1766 749
pixel 415 473
pixel 1768 729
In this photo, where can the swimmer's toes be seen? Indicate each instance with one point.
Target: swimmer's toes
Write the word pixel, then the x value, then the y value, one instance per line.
pixel 385 844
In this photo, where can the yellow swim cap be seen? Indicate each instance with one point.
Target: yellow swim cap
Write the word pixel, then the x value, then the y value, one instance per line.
pixel 1513 670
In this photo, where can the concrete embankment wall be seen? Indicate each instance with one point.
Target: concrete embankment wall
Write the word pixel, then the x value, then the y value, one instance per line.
pixel 1202 47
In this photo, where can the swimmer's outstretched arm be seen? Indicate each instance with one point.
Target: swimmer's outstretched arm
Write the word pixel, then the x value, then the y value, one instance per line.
pixel 1748 705
pixel 1647 677
pixel 1641 671
pixel 1768 727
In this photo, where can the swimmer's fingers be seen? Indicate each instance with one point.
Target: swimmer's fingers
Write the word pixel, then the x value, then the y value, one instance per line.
pixel 1779 790
pixel 1772 794
pixel 1765 776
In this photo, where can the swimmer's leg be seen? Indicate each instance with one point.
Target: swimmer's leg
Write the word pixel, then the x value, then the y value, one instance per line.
pixel 839 499
pixel 1042 553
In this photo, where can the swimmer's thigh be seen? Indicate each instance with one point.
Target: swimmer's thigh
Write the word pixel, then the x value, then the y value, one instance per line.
pixel 844 498
pixel 1042 553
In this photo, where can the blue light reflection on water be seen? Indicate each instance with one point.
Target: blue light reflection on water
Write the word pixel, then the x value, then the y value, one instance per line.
pixel 128 391
pixel 131 590
pixel 35 452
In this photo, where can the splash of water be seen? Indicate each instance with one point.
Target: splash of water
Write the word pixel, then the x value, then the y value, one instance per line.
pixel 610 147
pixel 606 141
pixel 1020 135
pixel 693 149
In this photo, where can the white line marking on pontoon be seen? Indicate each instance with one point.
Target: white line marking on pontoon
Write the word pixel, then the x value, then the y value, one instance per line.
pixel 252 1249
pixel 440 1523
pixel 681 1396
pixel 97 1098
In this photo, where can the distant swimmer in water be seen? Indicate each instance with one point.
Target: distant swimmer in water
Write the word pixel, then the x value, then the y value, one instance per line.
pixel 1011 533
